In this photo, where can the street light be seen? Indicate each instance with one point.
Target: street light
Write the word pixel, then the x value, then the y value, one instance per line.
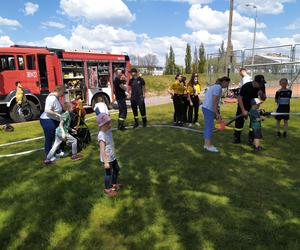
pixel 250 5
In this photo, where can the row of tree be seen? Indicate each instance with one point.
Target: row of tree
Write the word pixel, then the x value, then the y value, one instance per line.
pixel 192 64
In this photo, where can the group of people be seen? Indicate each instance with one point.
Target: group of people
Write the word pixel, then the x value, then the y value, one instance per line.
pixel 57 128
pixel 186 100
pixel 252 94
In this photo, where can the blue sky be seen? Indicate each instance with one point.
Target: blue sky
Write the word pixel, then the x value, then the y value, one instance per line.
pixel 145 26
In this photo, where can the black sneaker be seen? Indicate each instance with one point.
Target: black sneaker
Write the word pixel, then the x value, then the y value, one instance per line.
pixel 144 124
pixel 278 135
pixel 284 134
pixel 136 125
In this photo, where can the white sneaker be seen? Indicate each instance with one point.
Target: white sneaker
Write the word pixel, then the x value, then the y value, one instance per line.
pixel 212 149
pixel 61 154
pixel 53 158
pixel 197 124
pixel 190 125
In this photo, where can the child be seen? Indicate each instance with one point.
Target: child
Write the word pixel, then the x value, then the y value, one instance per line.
pixel 255 123
pixel 107 155
pixel 101 107
pixel 20 96
pixel 62 134
pixel 282 98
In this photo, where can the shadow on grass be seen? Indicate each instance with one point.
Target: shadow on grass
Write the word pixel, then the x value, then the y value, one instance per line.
pixel 175 197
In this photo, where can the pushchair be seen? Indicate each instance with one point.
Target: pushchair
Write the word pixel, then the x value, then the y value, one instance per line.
pixel 83 134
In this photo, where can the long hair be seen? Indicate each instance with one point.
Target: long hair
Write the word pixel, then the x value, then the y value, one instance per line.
pixel 192 81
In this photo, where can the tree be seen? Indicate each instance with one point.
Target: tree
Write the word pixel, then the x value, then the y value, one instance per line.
pixel 166 65
pixel 195 60
pixel 170 63
pixel 188 59
pixel 150 62
pixel 202 59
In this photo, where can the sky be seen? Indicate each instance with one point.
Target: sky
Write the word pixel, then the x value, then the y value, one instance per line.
pixel 140 27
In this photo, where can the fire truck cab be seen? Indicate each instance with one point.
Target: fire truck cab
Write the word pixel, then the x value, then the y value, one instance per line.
pixel 85 74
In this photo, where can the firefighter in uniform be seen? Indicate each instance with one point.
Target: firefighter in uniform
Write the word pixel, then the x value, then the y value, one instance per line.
pixel 248 92
pixel 120 93
pixel 176 90
pixel 137 97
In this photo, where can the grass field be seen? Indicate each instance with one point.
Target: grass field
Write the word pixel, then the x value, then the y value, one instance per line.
pixel 175 196
pixel 158 85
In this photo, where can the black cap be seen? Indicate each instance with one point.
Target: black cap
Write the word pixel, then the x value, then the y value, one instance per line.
pixel 133 70
pixel 260 79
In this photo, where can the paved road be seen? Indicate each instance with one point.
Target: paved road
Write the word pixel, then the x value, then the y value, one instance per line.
pixel 158 100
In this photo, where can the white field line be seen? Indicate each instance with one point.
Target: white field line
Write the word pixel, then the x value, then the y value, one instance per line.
pixel 114 129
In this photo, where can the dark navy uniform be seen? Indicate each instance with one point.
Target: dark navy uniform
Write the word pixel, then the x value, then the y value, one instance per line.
pixel 247 93
pixel 283 98
pixel 137 85
pixel 121 100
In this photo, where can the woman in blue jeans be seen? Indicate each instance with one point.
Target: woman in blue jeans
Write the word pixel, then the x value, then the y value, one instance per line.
pixel 210 109
pixel 51 117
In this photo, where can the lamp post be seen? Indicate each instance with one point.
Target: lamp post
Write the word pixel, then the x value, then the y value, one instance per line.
pixel 250 5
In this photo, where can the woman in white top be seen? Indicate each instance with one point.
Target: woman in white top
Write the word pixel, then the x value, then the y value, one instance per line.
pixel 101 107
pixel 51 117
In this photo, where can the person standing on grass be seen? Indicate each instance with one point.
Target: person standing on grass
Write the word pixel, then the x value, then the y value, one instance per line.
pixel 62 134
pixel 193 90
pixel 137 97
pixel 210 109
pixel 51 117
pixel 248 92
pixel 176 90
pixel 283 97
pixel 185 101
pixel 107 155
pixel 120 89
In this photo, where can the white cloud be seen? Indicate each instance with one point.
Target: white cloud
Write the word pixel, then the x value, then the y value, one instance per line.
pixel 101 11
pixel 294 25
pixel 273 7
pixel 218 21
pixel 52 24
pixel 5 41
pixel 193 1
pixel 30 8
pixel 9 22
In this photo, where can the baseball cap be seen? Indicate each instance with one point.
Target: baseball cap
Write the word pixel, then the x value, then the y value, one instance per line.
pixel 256 101
pixel 103 119
pixel 260 79
pixel 133 70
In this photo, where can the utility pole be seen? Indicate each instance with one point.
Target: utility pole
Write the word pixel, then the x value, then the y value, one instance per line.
pixel 229 42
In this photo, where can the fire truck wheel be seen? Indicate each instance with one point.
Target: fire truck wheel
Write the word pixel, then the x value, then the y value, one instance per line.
pixel 26 112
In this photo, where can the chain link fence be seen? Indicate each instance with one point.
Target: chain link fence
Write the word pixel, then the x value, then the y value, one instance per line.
pixel 273 62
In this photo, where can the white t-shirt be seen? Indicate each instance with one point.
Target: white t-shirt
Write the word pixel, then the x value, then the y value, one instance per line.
pixel 214 90
pixel 52 103
pixel 245 79
pixel 110 146
pixel 102 108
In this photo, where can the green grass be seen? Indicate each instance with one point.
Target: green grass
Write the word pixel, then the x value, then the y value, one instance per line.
pixel 158 85
pixel 176 196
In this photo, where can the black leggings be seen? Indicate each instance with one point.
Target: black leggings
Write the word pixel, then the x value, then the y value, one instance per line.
pixel 178 107
pixel 193 109
pixel 111 174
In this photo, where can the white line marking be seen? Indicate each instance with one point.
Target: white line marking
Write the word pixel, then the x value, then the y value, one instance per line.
pixel 22 141
pixel 95 133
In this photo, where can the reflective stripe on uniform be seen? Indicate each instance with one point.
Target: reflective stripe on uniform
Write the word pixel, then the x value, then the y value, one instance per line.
pixel 238 129
pixel 121 119
pixel 136 117
pixel 250 129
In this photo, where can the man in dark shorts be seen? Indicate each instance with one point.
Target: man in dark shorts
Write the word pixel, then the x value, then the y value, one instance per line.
pixel 283 97
pixel 248 92
pixel 137 97
pixel 120 93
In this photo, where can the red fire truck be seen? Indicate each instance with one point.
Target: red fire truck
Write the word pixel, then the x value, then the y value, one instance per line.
pixel 39 70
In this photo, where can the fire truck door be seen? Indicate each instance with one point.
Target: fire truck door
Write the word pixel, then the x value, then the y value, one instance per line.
pixel 44 85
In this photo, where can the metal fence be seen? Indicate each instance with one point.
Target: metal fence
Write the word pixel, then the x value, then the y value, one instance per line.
pixel 273 62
